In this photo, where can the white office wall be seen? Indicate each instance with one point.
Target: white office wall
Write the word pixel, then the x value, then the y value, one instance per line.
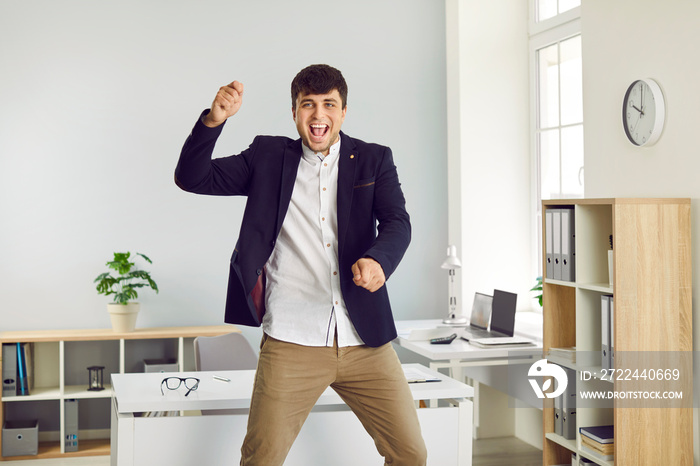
pixel 488 143
pixel 97 97
pixel 623 41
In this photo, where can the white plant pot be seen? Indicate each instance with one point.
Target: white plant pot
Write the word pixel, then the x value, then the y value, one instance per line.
pixel 123 316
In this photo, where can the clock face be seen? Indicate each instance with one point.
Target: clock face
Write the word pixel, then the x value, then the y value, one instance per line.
pixel 643 112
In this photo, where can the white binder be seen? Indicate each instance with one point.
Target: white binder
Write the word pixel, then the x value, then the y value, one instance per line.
pixel 558 415
pixel 549 247
pixel 9 369
pixel 612 331
pixel 606 360
pixel 71 425
pixel 568 430
pixel 568 252
pixel 556 242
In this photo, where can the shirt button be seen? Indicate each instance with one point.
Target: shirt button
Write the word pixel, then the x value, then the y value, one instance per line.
pixel 335 273
pixel 259 271
pixel 336 303
pixel 327 245
pixel 323 219
pixel 325 164
pixel 324 189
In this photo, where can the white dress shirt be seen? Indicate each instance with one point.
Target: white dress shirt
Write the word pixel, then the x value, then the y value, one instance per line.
pixel 303 301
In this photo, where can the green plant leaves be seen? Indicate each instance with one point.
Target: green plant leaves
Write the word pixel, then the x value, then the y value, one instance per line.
pixel 121 262
pixel 145 258
pixel 124 286
pixel 538 287
pixel 105 282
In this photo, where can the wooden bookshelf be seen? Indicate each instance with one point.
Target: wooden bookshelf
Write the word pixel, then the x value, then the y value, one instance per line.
pixel 54 374
pixel 652 289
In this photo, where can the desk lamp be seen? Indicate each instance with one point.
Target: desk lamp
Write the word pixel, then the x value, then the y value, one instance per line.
pixel 452 263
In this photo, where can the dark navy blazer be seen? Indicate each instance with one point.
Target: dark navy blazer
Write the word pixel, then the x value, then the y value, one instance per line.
pixel 372 218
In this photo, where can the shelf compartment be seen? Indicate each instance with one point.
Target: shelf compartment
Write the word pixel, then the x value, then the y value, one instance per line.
pixel 79 355
pixel 137 350
pixel 593 229
pixel 593 417
pixel 47 355
pixel 559 316
pixel 588 321
pixel 570 445
pixel 557 450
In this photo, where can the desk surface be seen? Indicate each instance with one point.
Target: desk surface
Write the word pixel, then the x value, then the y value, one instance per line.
pixel 140 392
pixel 526 325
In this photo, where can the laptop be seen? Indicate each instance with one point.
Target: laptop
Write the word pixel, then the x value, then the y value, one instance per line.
pixel 502 317
pixel 479 320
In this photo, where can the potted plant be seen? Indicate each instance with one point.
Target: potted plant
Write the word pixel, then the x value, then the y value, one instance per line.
pixel 123 310
pixel 538 287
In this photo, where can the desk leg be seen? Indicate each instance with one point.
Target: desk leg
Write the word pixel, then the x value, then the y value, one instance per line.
pixel 456 370
pixel 464 430
pixel 121 438
pixel 435 366
pixel 475 385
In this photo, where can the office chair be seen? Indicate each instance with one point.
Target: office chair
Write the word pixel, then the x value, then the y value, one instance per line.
pixel 223 352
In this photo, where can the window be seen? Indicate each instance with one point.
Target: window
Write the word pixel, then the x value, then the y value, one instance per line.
pixel 557 104
pixel 559 130
pixel 546 9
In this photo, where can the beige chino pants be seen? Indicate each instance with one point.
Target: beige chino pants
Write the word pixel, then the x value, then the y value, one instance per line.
pixel 290 378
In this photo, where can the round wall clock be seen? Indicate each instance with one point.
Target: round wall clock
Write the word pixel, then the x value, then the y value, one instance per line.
pixel 643 112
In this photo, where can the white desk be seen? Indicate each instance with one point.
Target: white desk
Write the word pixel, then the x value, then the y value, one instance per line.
pixel 331 435
pixel 460 353
pixel 494 367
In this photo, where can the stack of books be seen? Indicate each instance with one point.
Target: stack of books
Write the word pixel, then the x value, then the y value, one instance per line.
pixel 599 440
pixel 565 354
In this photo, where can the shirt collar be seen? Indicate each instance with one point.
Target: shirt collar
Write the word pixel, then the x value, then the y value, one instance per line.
pixel 312 156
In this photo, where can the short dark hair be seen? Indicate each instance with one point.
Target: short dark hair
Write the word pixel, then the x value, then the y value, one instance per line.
pixel 319 79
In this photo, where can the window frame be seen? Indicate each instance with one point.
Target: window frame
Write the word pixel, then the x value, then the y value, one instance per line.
pixel 543 34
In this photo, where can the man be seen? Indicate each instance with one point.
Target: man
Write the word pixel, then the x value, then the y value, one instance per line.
pixel 324 226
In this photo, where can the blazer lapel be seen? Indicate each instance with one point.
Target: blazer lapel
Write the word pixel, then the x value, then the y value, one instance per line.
pixel 346 178
pixel 290 165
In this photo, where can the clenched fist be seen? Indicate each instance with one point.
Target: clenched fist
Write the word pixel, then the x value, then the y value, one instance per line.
pixel 227 102
pixel 368 274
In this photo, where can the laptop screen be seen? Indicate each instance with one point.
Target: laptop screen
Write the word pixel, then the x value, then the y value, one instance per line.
pixel 503 312
pixel 481 311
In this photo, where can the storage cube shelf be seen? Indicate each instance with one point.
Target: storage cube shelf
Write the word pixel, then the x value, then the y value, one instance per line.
pixel 652 287
pixel 60 373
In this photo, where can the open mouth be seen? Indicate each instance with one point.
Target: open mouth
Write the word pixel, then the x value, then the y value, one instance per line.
pixel 318 130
